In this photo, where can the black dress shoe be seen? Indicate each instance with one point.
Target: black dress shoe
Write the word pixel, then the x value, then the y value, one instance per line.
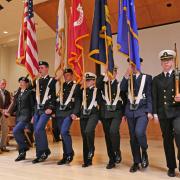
pixel 22 156
pixel 134 168
pixel 62 161
pixel 145 161
pixel 45 154
pixel 118 157
pixel 86 164
pixel 4 149
pixel 90 155
pixel 69 159
pixel 171 173
pixel 110 165
pixel 38 160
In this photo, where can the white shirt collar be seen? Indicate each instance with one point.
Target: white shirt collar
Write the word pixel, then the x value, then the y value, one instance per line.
pixel 68 82
pixel 44 77
pixel 91 87
pixel 170 72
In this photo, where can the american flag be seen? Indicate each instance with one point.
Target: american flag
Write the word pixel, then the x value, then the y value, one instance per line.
pixel 27 54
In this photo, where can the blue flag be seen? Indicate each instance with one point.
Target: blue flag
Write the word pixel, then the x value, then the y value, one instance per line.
pixel 127 38
pixel 101 46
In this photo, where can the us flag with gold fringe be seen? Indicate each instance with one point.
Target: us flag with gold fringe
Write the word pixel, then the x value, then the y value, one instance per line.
pixel 27 54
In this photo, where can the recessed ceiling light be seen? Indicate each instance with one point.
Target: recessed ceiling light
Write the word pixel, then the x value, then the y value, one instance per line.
pixel 169 4
pixel 5 32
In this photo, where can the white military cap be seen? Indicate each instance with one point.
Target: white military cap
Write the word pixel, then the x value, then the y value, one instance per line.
pixel 90 76
pixel 167 54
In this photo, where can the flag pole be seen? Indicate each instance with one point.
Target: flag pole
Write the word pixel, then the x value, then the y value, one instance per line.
pixel 107 57
pixel 62 68
pixel 176 72
pixel 84 82
pixel 131 75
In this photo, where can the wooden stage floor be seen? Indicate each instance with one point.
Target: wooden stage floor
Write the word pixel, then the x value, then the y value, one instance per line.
pixel 48 170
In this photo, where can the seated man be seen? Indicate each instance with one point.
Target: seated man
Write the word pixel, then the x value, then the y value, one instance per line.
pixel 5 101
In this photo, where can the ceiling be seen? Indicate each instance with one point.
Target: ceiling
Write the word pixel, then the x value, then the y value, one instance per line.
pixel 149 12
pixel 11 19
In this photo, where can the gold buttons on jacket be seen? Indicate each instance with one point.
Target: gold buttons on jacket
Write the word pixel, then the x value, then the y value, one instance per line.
pixel 172 89
pixel 164 90
pixel 164 97
pixel 165 103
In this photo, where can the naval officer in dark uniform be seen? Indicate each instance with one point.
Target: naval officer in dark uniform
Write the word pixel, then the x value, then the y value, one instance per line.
pixel 166 108
pixel 89 117
pixel 45 105
pixel 67 109
pixel 23 109
pixel 137 111
pixel 111 116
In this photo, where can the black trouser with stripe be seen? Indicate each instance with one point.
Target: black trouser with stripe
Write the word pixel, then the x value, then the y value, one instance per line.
pixel 88 126
pixel 170 129
pixel 112 135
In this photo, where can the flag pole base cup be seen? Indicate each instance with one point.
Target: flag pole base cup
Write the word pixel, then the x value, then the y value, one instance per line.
pixel 134 107
pixel 86 112
pixel 111 107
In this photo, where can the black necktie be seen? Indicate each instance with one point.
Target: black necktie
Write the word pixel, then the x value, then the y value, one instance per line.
pixel 167 75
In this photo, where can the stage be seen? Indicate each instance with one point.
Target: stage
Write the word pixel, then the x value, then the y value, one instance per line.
pixel 48 170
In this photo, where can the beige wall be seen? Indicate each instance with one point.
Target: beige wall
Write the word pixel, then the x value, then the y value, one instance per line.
pixel 11 71
pixel 3 62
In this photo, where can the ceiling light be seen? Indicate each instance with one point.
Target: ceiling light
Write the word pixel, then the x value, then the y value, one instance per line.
pixel 169 4
pixel 5 32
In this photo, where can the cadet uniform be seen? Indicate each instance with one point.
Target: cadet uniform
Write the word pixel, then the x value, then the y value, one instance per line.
pixel 68 105
pixel 111 116
pixel 24 109
pixel 167 111
pixel 136 114
pixel 88 119
pixel 45 99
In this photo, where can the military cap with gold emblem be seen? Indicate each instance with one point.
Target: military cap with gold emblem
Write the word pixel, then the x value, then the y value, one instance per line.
pixel 90 76
pixel 167 54
pixel 68 70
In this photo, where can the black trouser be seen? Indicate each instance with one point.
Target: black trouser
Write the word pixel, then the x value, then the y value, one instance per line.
pixel 138 140
pixel 112 135
pixel 171 128
pixel 56 132
pixel 88 126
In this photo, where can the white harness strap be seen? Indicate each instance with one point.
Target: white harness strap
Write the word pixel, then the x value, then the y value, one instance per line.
pixel 93 101
pixel 106 97
pixel 37 92
pixel 140 96
pixel 70 95
pixel 46 92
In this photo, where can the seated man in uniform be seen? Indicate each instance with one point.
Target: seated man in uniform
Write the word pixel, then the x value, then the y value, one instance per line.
pixel 5 100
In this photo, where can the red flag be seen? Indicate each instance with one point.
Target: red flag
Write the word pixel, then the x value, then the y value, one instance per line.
pixel 77 31
pixel 27 54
